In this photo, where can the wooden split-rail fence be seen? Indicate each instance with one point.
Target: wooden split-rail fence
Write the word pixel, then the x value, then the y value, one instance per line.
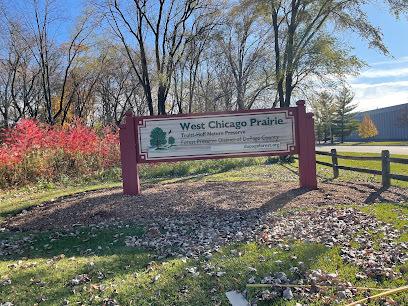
pixel 385 159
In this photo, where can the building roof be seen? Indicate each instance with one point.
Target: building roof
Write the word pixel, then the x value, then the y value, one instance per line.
pixel 385 109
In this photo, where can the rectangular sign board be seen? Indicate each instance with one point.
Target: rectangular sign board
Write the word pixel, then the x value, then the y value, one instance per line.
pixel 283 131
pixel 250 133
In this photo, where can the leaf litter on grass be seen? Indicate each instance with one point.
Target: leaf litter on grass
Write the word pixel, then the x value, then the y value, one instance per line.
pixel 205 235
pixel 334 228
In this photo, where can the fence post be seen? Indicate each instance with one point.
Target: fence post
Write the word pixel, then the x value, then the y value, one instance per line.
pixel 335 163
pixel 385 168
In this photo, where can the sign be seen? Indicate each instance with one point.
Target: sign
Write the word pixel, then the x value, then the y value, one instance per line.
pixel 216 135
pixel 282 131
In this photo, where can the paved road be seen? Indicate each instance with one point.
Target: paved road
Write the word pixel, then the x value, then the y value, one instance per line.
pixel 365 149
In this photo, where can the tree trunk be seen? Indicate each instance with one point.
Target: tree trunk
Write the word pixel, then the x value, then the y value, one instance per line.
pixel 161 100
pixel 281 95
pixel 289 53
pixel 240 101
pixel 6 117
pixel 278 75
pixel 331 135
pixel 149 99
pixel 288 88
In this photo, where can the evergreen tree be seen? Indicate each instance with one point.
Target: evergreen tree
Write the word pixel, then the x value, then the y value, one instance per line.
pixel 324 110
pixel 367 128
pixel 318 122
pixel 344 122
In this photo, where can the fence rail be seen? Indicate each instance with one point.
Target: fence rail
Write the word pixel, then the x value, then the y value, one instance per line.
pixel 385 165
pixel 399 160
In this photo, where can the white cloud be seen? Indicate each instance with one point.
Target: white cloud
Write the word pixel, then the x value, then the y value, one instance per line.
pixel 383 73
pixel 383 85
pixel 367 103
pixel 400 60
pixel 378 87
pixel 373 97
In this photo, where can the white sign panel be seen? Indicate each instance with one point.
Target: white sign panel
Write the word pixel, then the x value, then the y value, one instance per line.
pixel 246 133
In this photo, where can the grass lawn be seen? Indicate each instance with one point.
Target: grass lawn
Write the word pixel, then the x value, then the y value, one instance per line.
pixel 45 267
pixel 375 143
pixel 327 172
pixel 41 273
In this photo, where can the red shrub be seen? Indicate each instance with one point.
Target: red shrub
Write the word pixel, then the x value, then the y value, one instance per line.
pixel 30 151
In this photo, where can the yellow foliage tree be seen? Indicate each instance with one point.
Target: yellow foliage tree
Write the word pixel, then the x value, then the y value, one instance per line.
pixel 367 128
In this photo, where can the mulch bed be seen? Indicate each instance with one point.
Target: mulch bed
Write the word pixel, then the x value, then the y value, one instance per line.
pixel 194 199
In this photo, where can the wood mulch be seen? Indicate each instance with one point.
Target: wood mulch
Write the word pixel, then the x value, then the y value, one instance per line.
pixel 187 198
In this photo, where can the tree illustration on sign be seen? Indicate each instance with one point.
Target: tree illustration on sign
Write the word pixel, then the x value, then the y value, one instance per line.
pixel 157 138
pixel 171 140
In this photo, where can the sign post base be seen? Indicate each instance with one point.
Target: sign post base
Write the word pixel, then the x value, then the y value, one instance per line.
pixel 128 153
pixel 307 151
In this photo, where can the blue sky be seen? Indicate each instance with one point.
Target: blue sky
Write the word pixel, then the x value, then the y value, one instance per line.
pixel 385 81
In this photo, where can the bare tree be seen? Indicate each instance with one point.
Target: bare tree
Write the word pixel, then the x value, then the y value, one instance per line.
pixel 18 73
pixel 118 89
pixel 56 63
pixel 185 77
pixel 80 89
pixel 215 86
pixel 242 42
pixel 168 24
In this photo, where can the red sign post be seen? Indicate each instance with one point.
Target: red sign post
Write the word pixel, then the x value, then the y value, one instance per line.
pixel 268 132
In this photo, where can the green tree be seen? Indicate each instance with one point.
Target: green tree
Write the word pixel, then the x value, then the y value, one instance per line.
pixel 367 128
pixel 306 47
pixel 171 140
pixel 157 138
pixel 344 122
pixel 318 120
pixel 318 127
pixel 324 109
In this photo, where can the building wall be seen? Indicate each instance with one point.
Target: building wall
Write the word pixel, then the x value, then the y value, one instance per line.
pixel 388 121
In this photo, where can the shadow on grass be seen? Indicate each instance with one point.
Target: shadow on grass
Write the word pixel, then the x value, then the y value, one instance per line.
pixel 323 179
pixel 17 205
pixel 282 199
pixel 376 195
pixel 56 277
pixel 125 277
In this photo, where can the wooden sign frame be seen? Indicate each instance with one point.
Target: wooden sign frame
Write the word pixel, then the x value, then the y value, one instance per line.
pixel 304 145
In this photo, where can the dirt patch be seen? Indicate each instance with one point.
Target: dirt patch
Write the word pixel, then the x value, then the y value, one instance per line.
pixel 194 200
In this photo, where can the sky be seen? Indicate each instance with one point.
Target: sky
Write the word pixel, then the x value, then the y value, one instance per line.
pixel 384 82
